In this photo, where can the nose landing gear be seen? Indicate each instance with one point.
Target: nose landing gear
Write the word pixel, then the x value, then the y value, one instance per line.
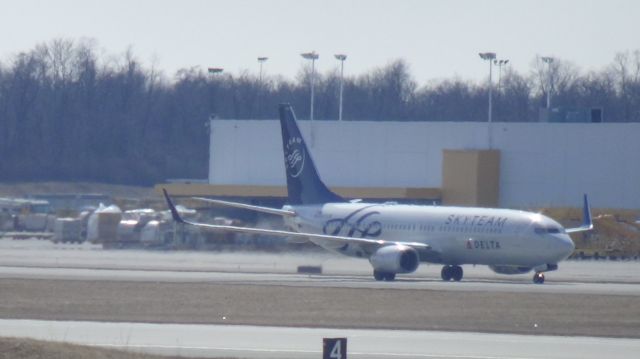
pixel 538 278
pixel 451 272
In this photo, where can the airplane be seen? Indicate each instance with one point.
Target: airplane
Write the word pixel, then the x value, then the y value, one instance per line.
pixel 396 238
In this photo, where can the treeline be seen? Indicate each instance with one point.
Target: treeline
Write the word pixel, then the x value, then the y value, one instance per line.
pixel 68 112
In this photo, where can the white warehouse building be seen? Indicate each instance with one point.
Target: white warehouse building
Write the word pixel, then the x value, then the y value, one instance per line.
pixel 533 164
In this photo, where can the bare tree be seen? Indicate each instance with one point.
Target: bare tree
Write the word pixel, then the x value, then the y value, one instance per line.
pixel 69 112
pixel 626 71
pixel 557 76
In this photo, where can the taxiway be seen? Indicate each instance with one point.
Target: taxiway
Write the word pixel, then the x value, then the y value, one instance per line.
pixel 277 342
pixel 585 309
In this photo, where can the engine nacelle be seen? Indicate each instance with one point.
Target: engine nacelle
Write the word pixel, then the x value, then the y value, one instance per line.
pixel 546 268
pixel 510 269
pixel 395 259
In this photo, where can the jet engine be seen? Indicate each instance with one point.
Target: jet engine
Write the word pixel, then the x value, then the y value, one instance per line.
pixel 395 259
pixel 546 268
pixel 501 269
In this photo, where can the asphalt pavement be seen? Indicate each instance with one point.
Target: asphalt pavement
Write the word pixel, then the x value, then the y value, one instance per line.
pixel 262 342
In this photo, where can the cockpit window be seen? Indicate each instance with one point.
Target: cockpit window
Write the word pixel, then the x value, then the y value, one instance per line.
pixel 543 230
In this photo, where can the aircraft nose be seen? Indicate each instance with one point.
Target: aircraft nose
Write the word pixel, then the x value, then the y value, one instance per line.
pixel 566 245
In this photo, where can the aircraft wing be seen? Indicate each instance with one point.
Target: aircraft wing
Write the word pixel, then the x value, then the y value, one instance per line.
pixel 279 212
pixel 364 242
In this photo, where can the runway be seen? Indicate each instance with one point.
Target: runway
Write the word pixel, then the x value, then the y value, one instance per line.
pixel 210 294
pixel 278 342
pixel 43 259
pixel 471 284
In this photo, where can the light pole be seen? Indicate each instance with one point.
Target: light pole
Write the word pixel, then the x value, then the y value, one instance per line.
pixel 500 63
pixel 341 58
pixel 548 60
pixel 489 56
pixel 313 57
pixel 213 71
pixel 261 60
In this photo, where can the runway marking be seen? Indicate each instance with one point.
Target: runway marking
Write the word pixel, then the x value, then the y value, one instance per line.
pixel 294 351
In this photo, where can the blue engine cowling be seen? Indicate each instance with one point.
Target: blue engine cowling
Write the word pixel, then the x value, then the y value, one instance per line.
pixel 395 259
pixel 501 269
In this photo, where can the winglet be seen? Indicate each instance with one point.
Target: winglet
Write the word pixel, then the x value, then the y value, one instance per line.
pixel 172 208
pixel 587 223
pixel 586 214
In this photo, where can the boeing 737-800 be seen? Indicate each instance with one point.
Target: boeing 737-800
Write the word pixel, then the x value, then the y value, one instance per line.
pixel 395 238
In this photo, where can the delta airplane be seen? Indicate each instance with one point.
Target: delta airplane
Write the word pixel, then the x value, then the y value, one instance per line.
pixel 395 238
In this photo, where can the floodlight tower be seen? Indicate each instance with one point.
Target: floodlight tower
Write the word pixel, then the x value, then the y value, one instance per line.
pixel 500 63
pixel 261 60
pixel 213 71
pixel 489 56
pixel 313 56
pixel 548 60
pixel 341 58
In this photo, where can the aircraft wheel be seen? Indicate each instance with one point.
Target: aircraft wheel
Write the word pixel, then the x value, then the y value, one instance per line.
pixel 446 273
pixel 538 278
pixel 456 273
pixel 388 276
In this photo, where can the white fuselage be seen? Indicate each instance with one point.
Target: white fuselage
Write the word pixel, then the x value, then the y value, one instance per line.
pixel 457 235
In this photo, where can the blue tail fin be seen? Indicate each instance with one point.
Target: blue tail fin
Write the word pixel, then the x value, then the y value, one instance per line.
pixel 304 186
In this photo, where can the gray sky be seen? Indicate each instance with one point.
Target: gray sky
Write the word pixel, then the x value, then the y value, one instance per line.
pixel 439 39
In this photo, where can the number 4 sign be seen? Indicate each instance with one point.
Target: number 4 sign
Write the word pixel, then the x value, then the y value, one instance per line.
pixel 334 348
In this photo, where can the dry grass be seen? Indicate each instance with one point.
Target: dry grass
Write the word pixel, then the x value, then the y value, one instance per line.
pixel 19 348
pixel 615 231
pixel 221 303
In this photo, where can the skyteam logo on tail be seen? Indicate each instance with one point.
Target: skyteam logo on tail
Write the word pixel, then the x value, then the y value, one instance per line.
pixel 294 156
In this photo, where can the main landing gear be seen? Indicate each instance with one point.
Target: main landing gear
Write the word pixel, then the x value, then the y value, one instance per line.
pixel 378 275
pixel 451 272
pixel 538 278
